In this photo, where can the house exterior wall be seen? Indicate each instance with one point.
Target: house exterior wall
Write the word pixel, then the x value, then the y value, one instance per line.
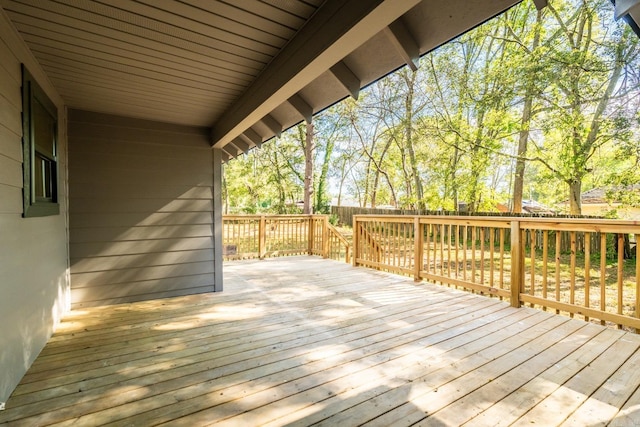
pixel 34 278
pixel 140 209
pixel 601 209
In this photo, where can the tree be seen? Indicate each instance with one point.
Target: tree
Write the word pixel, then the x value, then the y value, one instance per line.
pixel 583 115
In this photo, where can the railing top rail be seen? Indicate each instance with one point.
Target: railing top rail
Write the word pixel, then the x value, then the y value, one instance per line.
pixel 527 222
pixel 269 216
pixel 339 235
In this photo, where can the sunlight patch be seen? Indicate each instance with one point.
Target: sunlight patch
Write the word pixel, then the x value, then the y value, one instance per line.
pixel 390 297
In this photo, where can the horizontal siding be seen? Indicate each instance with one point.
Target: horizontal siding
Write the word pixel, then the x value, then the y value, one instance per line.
pixel 127 219
pixel 118 262
pixel 121 177
pixel 140 209
pixel 10 144
pixel 119 234
pixel 137 247
pixel 34 282
pixel 10 171
pixel 175 288
pixel 131 275
pixel 10 115
pixel 10 200
pixel 142 191
pixel 115 204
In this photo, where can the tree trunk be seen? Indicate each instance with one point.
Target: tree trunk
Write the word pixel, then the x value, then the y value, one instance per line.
pixel 308 170
pixel 575 195
pixel 408 129
pixel 321 197
pixel 518 183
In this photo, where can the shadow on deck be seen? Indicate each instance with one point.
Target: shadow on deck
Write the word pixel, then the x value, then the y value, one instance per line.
pixel 302 340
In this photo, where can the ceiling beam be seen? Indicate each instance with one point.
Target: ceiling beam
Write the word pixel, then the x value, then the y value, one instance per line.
pixel 272 124
pixel 301 107
pixel 232 149
pixel 241 144
pixel 253 137
pixel 228 151
pixel 404 43
pixel 624 7
pixel 224 156
pixel 347 79
pixel 540 4
pixel 336 29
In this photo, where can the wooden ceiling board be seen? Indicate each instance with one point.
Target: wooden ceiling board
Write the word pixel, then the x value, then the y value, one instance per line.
pixel 71 37
pixel 99 24
pixel 228 18
pixel 256 14
pixel 196 100
pixel 431 30
pixel 114 60
pixel 184 22
pixel 107 92
pixel 303 9
pixel 147 112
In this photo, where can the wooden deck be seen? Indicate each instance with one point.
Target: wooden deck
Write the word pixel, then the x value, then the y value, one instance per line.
pixel 302 341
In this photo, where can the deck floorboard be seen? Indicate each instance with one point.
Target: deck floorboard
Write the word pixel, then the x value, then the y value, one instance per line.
pixel 304 341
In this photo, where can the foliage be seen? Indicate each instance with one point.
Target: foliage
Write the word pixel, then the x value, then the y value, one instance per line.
pixel 557 91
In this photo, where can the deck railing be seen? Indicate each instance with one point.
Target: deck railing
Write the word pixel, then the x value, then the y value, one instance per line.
pixel 581 267
pixel 261 236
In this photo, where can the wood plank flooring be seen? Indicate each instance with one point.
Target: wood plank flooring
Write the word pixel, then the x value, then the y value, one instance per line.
pixel 304 341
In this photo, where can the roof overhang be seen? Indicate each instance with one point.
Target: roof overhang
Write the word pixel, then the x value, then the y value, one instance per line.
pixel 629 10
pixel 344 47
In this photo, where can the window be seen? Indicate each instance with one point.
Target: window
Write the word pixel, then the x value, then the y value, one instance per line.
pixel 39 129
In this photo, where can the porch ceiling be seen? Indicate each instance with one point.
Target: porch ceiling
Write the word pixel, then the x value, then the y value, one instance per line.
pixel 247 69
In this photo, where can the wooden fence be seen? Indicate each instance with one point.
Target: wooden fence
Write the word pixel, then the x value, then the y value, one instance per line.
pixel 261 236
pixel 519 259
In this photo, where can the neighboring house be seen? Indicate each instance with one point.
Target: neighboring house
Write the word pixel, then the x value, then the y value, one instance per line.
pixel 129 112
pixel 603 201
pixel 529 207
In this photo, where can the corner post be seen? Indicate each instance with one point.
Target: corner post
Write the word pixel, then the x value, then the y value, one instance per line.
pixel 356 240
pixel 325 236
pixel 517 278
pixel 418 247
pixel 262 237
pixel 217 220
pixel 312 234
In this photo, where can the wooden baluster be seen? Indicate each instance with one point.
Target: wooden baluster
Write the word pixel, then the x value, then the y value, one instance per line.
pixel 587 271
pixel 637 313
pixel 516 264
pixel 620 272
pixel 502 236
pixel 557 271
pixel 482 232
pixel 545 262
pixel 532 249
pixel 572 270
pixel 603 273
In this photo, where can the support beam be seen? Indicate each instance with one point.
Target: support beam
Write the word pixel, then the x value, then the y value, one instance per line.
pixel 540 4
pixel 272 124
pixel 253 137
pixel 224 156
pixel 230 151
pixel 334 31
pixel 345 76
pixel 624 7
pixel 242 146
pixel 302 107
pixel 404 43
